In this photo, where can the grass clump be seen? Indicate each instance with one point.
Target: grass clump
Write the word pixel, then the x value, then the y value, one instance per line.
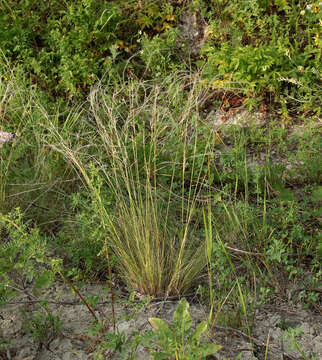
pixel 119 169
pixel 145 181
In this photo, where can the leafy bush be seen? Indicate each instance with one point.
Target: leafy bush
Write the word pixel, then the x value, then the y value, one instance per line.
pixel 63 45
pixel 82 237
pixel 68 47
pixel 269 47
pixel 160 54
pixel 23 255
pixel 32 176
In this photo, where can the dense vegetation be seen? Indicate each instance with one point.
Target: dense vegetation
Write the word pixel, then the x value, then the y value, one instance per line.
pixel 258 48
pixel 117 173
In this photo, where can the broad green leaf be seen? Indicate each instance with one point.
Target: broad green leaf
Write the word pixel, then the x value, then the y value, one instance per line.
pixel 204 350
pixel 44 280
pixel 200 329
pixel 159 326
pixel 286 195
pixel 181 317
pixel 160 356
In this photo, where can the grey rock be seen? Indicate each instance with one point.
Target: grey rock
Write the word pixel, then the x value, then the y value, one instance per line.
pixel 142 354
pixel 247 355
pixel 317 346
pixel 126 327
pixel 222 120
pixel 193 32
pixel 26 353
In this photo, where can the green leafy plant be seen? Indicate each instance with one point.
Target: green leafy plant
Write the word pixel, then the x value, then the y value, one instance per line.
pixel 43 327
pixel 69 46
pixel 22 248
pixel 159 53
pixel 37 175
pixel 83 239
pixel 24 260
pixel 269 48
pixel 180 341
pixel 292 335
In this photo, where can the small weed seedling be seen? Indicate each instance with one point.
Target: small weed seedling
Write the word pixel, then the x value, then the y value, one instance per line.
pixel 43 327
pixel 180 341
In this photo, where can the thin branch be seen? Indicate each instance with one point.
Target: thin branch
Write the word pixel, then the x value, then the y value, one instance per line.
pixel 244 252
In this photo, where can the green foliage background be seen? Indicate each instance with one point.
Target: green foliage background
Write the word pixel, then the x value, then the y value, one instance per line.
pixel 269 48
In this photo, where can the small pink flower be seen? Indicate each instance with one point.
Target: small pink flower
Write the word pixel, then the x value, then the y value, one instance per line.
pixel 5 136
